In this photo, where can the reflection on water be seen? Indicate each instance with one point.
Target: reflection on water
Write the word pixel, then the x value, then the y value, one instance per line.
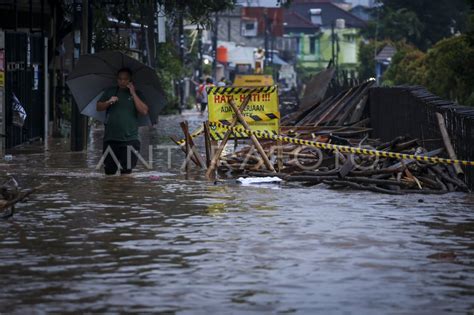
pixel 156 242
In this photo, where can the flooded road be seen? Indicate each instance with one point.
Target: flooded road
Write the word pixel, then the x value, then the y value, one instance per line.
pixel 156 242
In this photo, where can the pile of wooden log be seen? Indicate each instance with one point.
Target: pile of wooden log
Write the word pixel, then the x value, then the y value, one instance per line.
pixel 341 119
pixel 385 175
pixel 343 109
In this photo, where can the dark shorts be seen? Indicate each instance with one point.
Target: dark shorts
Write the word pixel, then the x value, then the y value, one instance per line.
pixel 119 149
pixel 203 107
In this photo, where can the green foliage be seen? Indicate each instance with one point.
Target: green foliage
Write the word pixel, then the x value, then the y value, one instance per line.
pixel 395 25
pixel 196 11
pixel 106 40
pixel 470 27
pixel 169 69
pixel 105 37
pixel 450 63
pixel 169 65
pixel 408 67
pixel 445 69
pixel 421 22
pixel 367 52
pixel 207 69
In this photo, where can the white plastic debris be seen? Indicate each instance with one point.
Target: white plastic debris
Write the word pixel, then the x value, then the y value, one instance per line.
pixel 258 180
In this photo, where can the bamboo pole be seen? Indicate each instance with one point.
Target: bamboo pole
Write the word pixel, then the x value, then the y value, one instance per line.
pixel 279 152
pixel 219 150
pixel 254 139
pixel 207 143
pixel 447 143
pixel 183 148
pixel 185 127
pixel 187 150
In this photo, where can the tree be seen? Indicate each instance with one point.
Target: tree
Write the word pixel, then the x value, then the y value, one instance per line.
pixel 196 11
pixel 395 25
pixel 445 69
pixel 449 69
pixel 408 67
pixel 422 22
pixel 367 52
pixel 470 23
pixel 165 57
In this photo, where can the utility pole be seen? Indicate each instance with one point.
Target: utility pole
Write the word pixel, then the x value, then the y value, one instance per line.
pixel 200 51
pixel 214 46
pixel 333 48
pixel 337 53
pixel 150 32
pixel 272 49
pixel 54 81
pixel 90 26
pixel 3 106
pixel 46 76
pixel 265 15
pixel 143 36
pixel 78 122
pixel 181 56
pixel 85 27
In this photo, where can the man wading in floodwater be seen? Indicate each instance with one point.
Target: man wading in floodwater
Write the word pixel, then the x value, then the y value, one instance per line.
pixel 123 104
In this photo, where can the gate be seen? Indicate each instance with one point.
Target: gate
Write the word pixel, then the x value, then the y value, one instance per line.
pixel 24 57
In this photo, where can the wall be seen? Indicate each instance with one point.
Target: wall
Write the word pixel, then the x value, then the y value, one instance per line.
pixel 2 94
pixel 274 15
pixel 411 111
pixel 229 27
pixel 349 40
pixel 230 30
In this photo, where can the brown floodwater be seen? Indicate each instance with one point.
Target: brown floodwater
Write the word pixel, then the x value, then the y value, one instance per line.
pixel 158 242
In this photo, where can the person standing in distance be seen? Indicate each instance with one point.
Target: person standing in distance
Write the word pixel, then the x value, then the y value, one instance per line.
pixel 209 83
pixel 122 103
pixel 221 83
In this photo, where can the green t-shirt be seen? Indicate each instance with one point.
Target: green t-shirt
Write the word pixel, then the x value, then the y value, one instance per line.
pixel 121 123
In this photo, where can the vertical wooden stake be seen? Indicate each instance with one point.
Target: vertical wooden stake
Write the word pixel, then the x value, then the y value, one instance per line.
pixel 187 150
pixel 189 139
pixel 254 139
pixel 183 148
pixel 217 154
pixel 447 143
pixel 279 152
pixel 207 142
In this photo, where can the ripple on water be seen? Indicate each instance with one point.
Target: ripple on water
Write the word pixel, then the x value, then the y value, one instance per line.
pixel 155 242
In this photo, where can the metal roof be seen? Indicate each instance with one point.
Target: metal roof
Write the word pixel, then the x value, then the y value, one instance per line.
pixel 386 53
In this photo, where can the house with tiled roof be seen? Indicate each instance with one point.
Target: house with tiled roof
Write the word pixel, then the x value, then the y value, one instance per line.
pixel 313 23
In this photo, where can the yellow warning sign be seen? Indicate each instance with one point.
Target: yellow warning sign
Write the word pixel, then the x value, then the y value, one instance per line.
pixel 253 80
pixel 2 78
pixel 261 113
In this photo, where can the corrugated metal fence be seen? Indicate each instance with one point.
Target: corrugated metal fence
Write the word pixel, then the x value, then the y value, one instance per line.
pixel 411 111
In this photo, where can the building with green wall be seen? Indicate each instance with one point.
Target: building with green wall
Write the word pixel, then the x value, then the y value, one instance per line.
pixel 312 24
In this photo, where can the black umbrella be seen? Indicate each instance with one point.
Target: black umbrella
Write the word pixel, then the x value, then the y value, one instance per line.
pixel 96 72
